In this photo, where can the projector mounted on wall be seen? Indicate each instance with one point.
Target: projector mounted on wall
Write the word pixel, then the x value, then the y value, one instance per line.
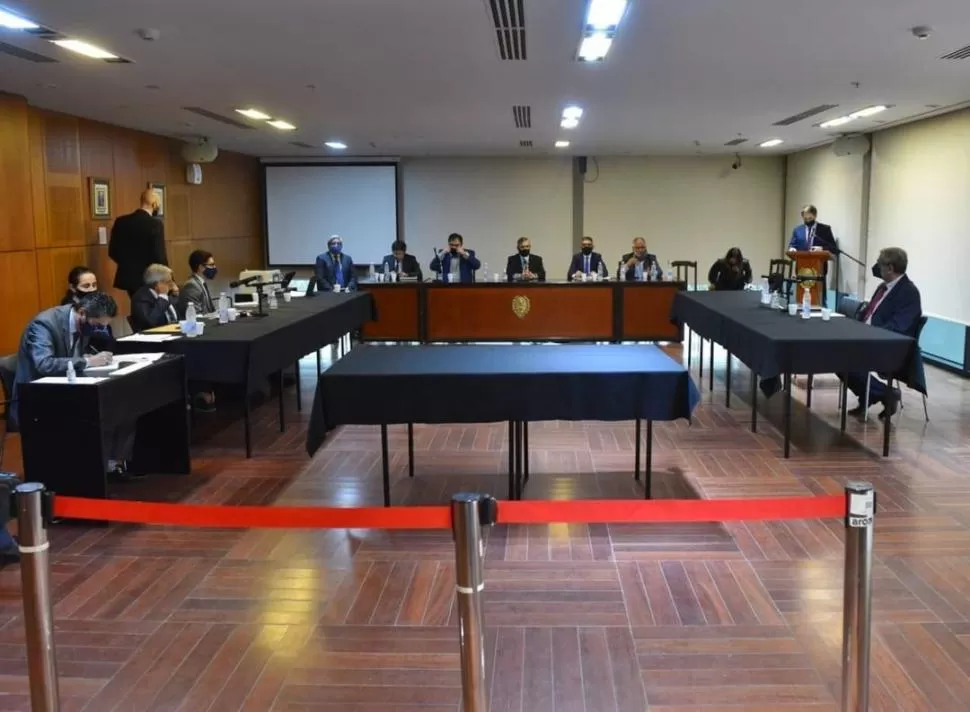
pixel 200 151
pixel 851 145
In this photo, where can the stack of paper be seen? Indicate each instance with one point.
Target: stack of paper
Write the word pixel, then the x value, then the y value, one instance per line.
pixel 150 338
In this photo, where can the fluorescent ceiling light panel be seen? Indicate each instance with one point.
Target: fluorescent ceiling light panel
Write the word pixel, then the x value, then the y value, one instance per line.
pixel 835 122
pixel 562 144
pixel 870 111
pixel 595 46
pixel 281 125
pixel 85 48
pixel 604 14
pixel 569 123
pixel 254 114
pixel 14 22
pixel 573 112
pixel 336 145
pixel 770 143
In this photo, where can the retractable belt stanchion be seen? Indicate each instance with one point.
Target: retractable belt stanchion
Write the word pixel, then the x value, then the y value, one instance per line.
pixel 860 499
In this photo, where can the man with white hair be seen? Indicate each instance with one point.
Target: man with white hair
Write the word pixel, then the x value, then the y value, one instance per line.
pixel 154 303
pixel 334 268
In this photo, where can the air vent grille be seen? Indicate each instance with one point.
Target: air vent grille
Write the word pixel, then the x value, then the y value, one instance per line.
pixel 525 143
pixel 508 17
pixel 301 144
pixel 217 117
pixel 794 119
pixel 736 142
pixel 962 53
pixel 522 116
pixel 21 53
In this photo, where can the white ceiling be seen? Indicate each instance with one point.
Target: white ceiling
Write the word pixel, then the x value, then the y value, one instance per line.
pixel 424 77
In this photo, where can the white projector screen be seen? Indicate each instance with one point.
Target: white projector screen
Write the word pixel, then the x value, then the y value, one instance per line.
pixel 306 204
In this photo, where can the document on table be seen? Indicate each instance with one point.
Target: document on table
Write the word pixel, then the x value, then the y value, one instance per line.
pixel 80 380
pixel 167 329
pixel 151 338
pixel 146 357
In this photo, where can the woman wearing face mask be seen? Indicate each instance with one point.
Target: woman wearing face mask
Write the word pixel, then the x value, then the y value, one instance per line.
pixel 730 273
pixel 80 281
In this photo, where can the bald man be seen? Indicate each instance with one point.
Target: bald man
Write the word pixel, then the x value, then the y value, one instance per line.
pixel 137 240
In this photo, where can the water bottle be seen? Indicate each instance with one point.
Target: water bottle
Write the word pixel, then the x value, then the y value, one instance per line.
pixel 71 374
pixel 370 271
pixel 190 313
pixel 273 304
pixel 619 272
pixel 670 275
pixel 806 304
pixel 485 271
pixel 223 308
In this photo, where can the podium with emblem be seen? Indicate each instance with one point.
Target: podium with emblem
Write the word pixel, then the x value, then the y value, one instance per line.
pixel 810 272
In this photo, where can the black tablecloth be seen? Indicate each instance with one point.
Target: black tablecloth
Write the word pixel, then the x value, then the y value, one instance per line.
pixel 773 343
pixel 249 349
pixel 376 385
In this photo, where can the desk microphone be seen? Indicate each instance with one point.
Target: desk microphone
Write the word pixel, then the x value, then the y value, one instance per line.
pixel 244 282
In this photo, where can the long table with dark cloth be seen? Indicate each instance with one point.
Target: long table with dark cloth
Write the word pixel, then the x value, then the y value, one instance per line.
pixel 522 311
pixel 774 344
pixel 245 352
pixel 493 383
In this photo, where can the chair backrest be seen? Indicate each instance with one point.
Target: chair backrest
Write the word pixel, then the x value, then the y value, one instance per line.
pixel 919 328
pixel 682 271
pixel 850 307
pixel 8 373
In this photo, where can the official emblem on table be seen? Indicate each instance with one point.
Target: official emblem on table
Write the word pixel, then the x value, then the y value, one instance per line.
pixel 521 306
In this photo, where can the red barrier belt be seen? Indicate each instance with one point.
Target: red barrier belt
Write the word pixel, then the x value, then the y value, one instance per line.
pixel 540 512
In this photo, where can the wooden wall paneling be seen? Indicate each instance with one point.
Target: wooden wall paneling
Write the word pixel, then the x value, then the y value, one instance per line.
pixel 38 176
pixel 16 208
pixel 53 264
pixel 97 161
pixel 227 204
pixel 128 182
pixel 18 294
pixel 65 209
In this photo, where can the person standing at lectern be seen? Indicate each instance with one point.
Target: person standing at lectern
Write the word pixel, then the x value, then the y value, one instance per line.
pixel 813 235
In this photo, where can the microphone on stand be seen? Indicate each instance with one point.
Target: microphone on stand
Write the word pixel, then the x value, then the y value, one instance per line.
pixel 244 282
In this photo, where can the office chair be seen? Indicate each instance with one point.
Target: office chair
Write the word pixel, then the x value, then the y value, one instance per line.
pixel 682 270
pixel 8 372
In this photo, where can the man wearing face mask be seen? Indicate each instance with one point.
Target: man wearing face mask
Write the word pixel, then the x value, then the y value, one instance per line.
pixel 895 305
pixel 524 266
pixel 813 235
pixel 195 291
pixel 335 268
pixel 587 262
pixel 137 240
pixel 456 264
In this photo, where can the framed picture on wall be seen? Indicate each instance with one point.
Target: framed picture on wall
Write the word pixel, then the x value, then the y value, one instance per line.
pixel 100 189
pixel 159 190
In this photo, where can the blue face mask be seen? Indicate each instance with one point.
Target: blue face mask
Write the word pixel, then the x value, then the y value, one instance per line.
pixel 93 329
pixel 336 248
pixel 210 272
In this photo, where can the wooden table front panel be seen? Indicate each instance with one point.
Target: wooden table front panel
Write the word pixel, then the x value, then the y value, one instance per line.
pixel 646 311
pixel 497 312
pixel 397 308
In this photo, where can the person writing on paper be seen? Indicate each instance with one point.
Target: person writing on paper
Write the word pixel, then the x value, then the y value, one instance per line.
pixel 811 234
pixel 524 266
pixel 137 240
pixel 586 263
pixel 80 281
pixel 895 305
pixel 154 304
pixel 731 272
pixel 400 262
pixel 640 265
pixel 456 264
pixel 334 268
pixel 195 291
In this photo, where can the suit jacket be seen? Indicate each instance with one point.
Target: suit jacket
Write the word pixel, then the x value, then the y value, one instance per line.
pixel 466 267
pixel 137 240
pixel 823 238
pixel 630 273
pixel 899 310
pixel 514 267
pixel 578 265
pixel 724 278
pixel 102 338
pixel 195 291
pixel 149 311
pixel 326 271
pixel 45 350
pixel 409 265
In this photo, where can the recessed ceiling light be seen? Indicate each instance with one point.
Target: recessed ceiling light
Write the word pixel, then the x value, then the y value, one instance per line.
pixel 336 145
pixel 85 48
pixel 572 112
pixel 281 125
pixel 595 46
pixel 562 144
pixel 869 111
pixel 15 22
pixel 254 114
pixel 835 122
pixel 604 14
pixel 770 143
pixel 569 123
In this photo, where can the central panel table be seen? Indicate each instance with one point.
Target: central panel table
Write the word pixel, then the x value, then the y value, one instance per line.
pixel 493 383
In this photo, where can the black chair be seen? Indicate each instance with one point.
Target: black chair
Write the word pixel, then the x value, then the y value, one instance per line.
pixel 919 331
pixel 682 270
pixel 8 372
pixel 780 273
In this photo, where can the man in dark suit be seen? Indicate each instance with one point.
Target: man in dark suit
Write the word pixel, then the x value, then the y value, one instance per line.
pixel 195 291
pixel 456 264
pixel 154 303
pixel 895 305
pixel 640 265
pixel 400 262
pixel 524 266
pixel 586 262
pixel 811 233
pixel 335 268
pixel 137 240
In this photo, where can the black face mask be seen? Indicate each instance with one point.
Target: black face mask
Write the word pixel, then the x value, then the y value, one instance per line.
pixel 524 252
pixel 587 250
pixel 454 250
pixel 876 272
pixel 810 221
pixel 154 212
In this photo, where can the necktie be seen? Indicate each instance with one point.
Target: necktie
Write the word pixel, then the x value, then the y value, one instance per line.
pixel 586 264
pixel 525 264
pixel 811 237
pixel 876 301
pixel 338 270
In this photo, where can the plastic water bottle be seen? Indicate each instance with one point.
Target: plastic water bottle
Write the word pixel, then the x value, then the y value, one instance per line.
pixel 806 304
pixel 71 374
pixel 223 308
pixel 670 275
pixel 273 303
pixel 619 272
pixel 485 270
pixel 370 271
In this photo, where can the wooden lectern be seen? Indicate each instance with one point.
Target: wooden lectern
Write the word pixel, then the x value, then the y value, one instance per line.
pixel 810 264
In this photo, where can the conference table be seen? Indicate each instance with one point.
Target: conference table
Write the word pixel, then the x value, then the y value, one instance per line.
pixel 522 311
pixel 774 344
pixel 522 383
pixel 245 352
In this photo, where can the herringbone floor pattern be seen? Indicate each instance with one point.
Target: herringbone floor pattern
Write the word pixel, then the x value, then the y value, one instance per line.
pixel 670 618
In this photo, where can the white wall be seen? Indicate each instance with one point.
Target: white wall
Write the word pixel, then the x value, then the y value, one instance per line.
pixel 689 208
pixel 491 202
pixel 835 186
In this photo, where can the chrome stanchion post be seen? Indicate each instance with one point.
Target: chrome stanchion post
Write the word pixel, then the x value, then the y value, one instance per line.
pixel 860 499
pixel 35 583
pixel 469 514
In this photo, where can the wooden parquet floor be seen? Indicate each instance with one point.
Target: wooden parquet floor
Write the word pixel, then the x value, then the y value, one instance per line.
pixel 580 618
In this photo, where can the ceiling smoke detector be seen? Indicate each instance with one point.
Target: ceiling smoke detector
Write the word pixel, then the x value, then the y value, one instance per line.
pixel 921 32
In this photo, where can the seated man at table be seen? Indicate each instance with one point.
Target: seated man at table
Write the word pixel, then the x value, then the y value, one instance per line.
pixel 524 266
pixel 195 291
pixel 895 305
pixel 154 304
pixel 640 265
pixel 586 262
pixel 401 262
pixel 334 268
pixel 456 264
pixel 60 336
